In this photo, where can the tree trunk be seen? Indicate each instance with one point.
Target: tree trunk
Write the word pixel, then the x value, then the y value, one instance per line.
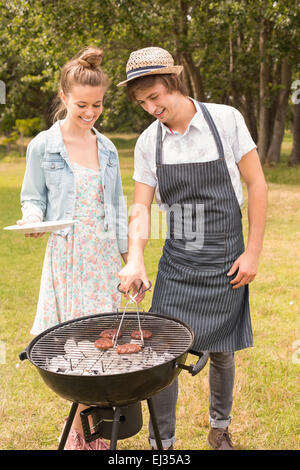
pixel 249 114
pixel 273 156
pixel 186 78
pixel 264 78
pixel 234 97
pixel 180 29
pixel 22 151
pixel 295 154
pixel 243 102
pixel 195 77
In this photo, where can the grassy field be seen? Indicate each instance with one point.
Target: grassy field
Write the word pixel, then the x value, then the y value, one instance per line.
pixel 265 413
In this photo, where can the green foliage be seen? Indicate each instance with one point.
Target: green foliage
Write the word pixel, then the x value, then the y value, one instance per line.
pixel 29 127
pixel 10 139
pixel 218 42
pixel 12 157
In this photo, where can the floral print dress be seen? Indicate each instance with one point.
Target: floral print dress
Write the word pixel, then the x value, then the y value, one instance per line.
pixel 79 274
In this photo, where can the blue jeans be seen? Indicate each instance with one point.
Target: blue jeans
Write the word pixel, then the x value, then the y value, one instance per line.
pixel 221 381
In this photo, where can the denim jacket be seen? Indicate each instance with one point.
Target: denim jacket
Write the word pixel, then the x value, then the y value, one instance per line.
pixel 48 189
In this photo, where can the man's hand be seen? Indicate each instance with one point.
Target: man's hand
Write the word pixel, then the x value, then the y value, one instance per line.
pixel 132 275
pixel 134 272
pixel 246 266
pixel 137 285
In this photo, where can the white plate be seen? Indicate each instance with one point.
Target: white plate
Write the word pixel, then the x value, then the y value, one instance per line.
pixel 38 227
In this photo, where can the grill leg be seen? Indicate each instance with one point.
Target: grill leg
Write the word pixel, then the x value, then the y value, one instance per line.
pixel 154 424
pixel 67 427
pixel 115 428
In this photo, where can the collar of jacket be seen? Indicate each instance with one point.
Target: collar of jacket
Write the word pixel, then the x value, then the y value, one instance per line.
pixel 55 144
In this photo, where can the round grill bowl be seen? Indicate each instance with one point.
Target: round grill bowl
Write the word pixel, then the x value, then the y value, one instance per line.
pixel 116 389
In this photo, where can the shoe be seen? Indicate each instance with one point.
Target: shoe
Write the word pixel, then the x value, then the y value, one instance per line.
pixel 76 441
pixel 220 439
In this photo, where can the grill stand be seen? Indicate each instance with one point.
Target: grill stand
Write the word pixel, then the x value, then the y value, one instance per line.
pixel 67 427
pixel 115 426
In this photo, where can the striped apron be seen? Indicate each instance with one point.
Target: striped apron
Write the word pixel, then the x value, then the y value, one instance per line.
pixel 204 239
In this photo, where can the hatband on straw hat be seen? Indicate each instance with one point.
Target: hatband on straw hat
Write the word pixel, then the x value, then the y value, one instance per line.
pixel 149 61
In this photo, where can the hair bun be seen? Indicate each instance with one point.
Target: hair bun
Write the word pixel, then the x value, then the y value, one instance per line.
pixel 91 58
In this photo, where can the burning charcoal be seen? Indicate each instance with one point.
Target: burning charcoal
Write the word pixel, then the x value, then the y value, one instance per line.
pixel 87 348
pixel 75 361
pixel 99 367
pixel 58 363
pixel 168 356
pixel 70 346
pixel 87 363
pixel 84 359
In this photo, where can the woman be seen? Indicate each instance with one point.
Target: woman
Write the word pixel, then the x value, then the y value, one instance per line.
pixel 72 172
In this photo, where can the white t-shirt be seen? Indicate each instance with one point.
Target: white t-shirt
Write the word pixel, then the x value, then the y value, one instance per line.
pixel 197 144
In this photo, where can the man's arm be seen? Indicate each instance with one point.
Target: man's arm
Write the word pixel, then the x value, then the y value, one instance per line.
pixel 247 263
pixel 138 235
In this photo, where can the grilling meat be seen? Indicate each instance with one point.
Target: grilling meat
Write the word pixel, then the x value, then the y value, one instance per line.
pixel 128 348
pixel 136 334
pixel 103 344
pixel 110 333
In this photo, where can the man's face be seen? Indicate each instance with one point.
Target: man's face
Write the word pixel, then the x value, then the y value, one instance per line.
pixel 159 102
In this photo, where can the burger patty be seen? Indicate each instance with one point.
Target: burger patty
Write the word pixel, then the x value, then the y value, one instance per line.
pixel 110 333
pixel 136 334
pixel 103 343
pixel 128 348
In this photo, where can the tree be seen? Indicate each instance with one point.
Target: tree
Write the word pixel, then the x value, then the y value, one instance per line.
pixel 294 158
pixel 241 53
pixel 279 30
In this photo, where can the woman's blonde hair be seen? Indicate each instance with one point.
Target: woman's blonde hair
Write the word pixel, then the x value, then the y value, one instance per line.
pixel 83 69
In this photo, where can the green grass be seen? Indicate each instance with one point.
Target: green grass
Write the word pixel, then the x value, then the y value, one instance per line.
pixel 124 144
pixel 265 412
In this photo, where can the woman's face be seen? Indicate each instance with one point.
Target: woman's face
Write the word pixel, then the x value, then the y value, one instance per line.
pixel 84 105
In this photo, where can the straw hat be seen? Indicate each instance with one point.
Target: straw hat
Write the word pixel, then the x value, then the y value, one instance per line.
pixel 149 61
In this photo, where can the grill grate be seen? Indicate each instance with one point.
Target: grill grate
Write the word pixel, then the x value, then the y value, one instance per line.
pixel 68 349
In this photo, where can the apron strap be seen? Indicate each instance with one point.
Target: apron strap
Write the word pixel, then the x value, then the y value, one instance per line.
pixel 158 145
pixel 213 129
pixel 212 126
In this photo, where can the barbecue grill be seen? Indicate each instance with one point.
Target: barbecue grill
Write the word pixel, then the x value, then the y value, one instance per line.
pixel 72 367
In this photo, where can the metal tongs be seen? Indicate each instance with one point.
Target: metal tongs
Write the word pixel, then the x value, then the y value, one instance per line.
pixel 132 300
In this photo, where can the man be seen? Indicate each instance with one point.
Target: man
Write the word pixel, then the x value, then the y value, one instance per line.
pixel 191 158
